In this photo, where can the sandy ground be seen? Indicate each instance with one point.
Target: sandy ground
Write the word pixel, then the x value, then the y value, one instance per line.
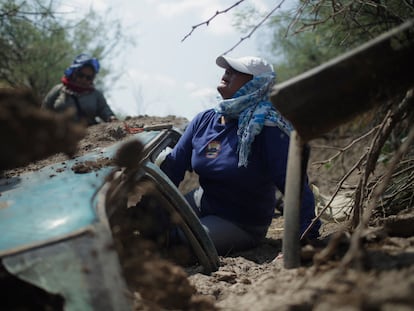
pixel 382 278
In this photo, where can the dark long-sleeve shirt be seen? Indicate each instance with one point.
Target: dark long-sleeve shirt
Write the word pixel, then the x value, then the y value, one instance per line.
pixel 245 195
pixel 87 105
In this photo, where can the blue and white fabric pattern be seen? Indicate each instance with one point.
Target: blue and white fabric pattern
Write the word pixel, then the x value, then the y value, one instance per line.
pixel 80 61
pixel 251 106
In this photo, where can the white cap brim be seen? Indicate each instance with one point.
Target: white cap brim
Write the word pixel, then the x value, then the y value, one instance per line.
pixel 228 62
pixel 249 64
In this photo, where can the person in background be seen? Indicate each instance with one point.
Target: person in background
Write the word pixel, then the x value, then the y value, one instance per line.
pixel 239 150
pixel 77 91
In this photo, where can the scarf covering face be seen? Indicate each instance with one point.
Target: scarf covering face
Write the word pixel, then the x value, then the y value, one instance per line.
pixel 251 106
pixel 72 88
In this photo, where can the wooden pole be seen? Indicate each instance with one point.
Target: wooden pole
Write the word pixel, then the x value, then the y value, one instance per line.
pixel 293 189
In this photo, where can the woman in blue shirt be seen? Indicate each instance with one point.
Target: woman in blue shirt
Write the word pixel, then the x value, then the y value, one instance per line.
pixel 239 151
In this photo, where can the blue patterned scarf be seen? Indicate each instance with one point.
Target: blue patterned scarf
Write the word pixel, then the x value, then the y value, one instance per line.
pixel 251 106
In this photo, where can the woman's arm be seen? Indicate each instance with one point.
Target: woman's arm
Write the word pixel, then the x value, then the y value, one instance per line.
pixel 179 160
pixel 103 109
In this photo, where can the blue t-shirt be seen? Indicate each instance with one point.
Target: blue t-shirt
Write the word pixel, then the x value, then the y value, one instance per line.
pixel 244 195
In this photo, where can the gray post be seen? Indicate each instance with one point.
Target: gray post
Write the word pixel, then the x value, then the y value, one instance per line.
pixel 291 211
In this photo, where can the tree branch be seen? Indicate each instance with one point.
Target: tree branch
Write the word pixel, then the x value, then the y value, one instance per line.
pixel 255 27
pixel 207 22
pixel 354 251
pixel 343 149
pixel 338 187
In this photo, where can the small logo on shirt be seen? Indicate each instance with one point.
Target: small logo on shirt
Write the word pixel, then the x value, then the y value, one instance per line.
pixel 213 149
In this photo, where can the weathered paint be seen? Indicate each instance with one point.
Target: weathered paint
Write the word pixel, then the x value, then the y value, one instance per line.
pixel 84 270
pixel 53 202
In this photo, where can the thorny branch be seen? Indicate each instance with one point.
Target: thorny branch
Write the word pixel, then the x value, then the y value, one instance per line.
pixel 391 119
pixel 257 26
pixel 383 131
pixel 338 187
pixel 343 149
pixel 207 22
pixel 348 11
pixel 355 249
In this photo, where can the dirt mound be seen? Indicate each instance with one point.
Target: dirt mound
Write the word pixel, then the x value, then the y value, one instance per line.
pixel 80 140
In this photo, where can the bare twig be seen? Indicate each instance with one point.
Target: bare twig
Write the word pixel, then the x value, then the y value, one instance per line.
pixel 325 147
pixel 409 5
pixel 383 131
pixel 207 22
pixel 354 251
pixel 338 187
pixel 407 169
pixel 343 149
pixel 297 16
pixel 389 122
pixel 255 27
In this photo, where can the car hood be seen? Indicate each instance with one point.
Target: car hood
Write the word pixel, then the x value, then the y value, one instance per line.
pixel 54 202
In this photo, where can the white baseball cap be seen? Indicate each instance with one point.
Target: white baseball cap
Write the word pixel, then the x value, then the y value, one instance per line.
pixel 248 64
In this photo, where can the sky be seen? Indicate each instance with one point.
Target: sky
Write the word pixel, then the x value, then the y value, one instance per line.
pixel 163 75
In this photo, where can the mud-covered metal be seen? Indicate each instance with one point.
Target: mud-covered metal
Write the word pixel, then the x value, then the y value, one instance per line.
pixel 54 202
pixel 54 237
pixel 83 270
pixel 55 229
